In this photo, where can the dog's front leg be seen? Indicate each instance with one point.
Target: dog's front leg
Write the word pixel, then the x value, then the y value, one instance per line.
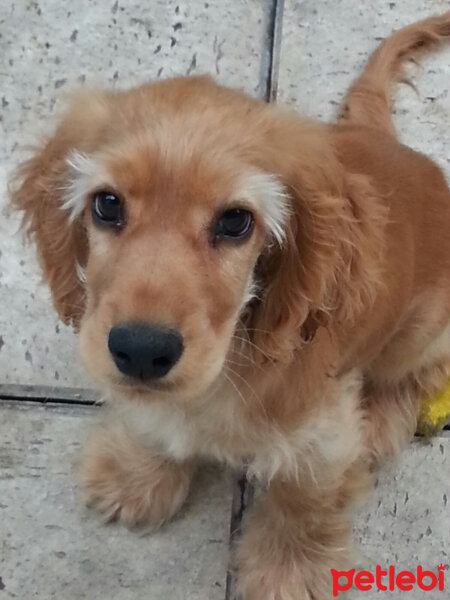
pixel 127 481
pixel 295 535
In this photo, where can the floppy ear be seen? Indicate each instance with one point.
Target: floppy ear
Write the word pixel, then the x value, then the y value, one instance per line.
pixel 37 189
pixel 328 268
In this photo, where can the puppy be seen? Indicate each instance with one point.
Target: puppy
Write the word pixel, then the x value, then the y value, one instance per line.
pixel 248 286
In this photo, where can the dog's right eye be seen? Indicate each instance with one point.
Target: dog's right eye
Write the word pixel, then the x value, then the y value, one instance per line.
pixel 107 209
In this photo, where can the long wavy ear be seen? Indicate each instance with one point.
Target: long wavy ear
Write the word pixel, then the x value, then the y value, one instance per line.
pixel 328 268
pixel 37 188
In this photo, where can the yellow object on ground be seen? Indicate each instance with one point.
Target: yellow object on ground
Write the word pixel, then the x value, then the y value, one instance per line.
pixel 435 412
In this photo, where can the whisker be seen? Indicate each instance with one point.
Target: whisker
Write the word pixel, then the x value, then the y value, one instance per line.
pixel 235 362
pixel 257 398
pixel 238 391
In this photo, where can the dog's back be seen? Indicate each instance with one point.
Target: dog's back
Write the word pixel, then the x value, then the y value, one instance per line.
pixel 417 263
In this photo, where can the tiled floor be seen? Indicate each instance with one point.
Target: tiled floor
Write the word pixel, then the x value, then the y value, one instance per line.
pixel 308 52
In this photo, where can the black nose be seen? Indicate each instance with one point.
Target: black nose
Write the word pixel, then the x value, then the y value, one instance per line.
pixel 144 351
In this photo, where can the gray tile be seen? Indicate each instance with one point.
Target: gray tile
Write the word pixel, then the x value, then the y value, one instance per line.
pixel 51 47
pixel 407 522
pixel 52 547
pixel 325 45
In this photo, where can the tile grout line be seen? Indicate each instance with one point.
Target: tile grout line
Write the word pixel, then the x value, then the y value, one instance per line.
pixel 276 33
pixel 42 394
pixel 243 493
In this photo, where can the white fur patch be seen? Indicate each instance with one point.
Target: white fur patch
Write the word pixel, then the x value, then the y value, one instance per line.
pixel 85 175
pixel 251 291
pixel 162 427
pixel 81 273
pixel 270 196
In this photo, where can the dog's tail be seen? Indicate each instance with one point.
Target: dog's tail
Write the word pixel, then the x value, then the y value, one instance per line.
pixel 368 102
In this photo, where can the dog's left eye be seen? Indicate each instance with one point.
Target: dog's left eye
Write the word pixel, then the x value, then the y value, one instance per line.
pixel 235 223
pixel 107 209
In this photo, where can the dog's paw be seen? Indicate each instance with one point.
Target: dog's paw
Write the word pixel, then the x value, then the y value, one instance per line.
pixel 126 482
pixel 273 581
pixel 277 560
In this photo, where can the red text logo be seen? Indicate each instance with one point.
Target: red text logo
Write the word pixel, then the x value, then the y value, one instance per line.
pixel 388 580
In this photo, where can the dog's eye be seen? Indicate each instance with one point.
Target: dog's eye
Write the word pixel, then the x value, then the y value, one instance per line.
pixel 107 209
pixel 235 223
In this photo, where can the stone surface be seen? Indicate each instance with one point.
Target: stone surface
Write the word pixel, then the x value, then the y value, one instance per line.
pixel 325 45
pixel 407 521
pixel 52 47
pixel 51 547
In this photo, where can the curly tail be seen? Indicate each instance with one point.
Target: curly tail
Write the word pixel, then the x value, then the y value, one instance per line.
pixel 367 102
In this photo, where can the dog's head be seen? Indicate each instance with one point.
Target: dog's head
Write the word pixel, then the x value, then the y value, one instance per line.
pixel 171 217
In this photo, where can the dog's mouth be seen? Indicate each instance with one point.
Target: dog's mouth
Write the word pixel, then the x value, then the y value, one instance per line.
pixel 141 387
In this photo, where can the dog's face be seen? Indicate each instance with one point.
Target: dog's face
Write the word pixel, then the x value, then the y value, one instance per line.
pixel 160 212
pixel 173 236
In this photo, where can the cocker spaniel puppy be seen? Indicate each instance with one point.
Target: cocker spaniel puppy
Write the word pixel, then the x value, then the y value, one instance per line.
pixel 253 287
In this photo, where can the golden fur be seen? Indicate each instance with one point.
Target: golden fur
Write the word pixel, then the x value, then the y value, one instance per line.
pixel 307 347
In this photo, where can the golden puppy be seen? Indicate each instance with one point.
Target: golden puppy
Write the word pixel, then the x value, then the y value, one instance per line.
pixel 248 286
